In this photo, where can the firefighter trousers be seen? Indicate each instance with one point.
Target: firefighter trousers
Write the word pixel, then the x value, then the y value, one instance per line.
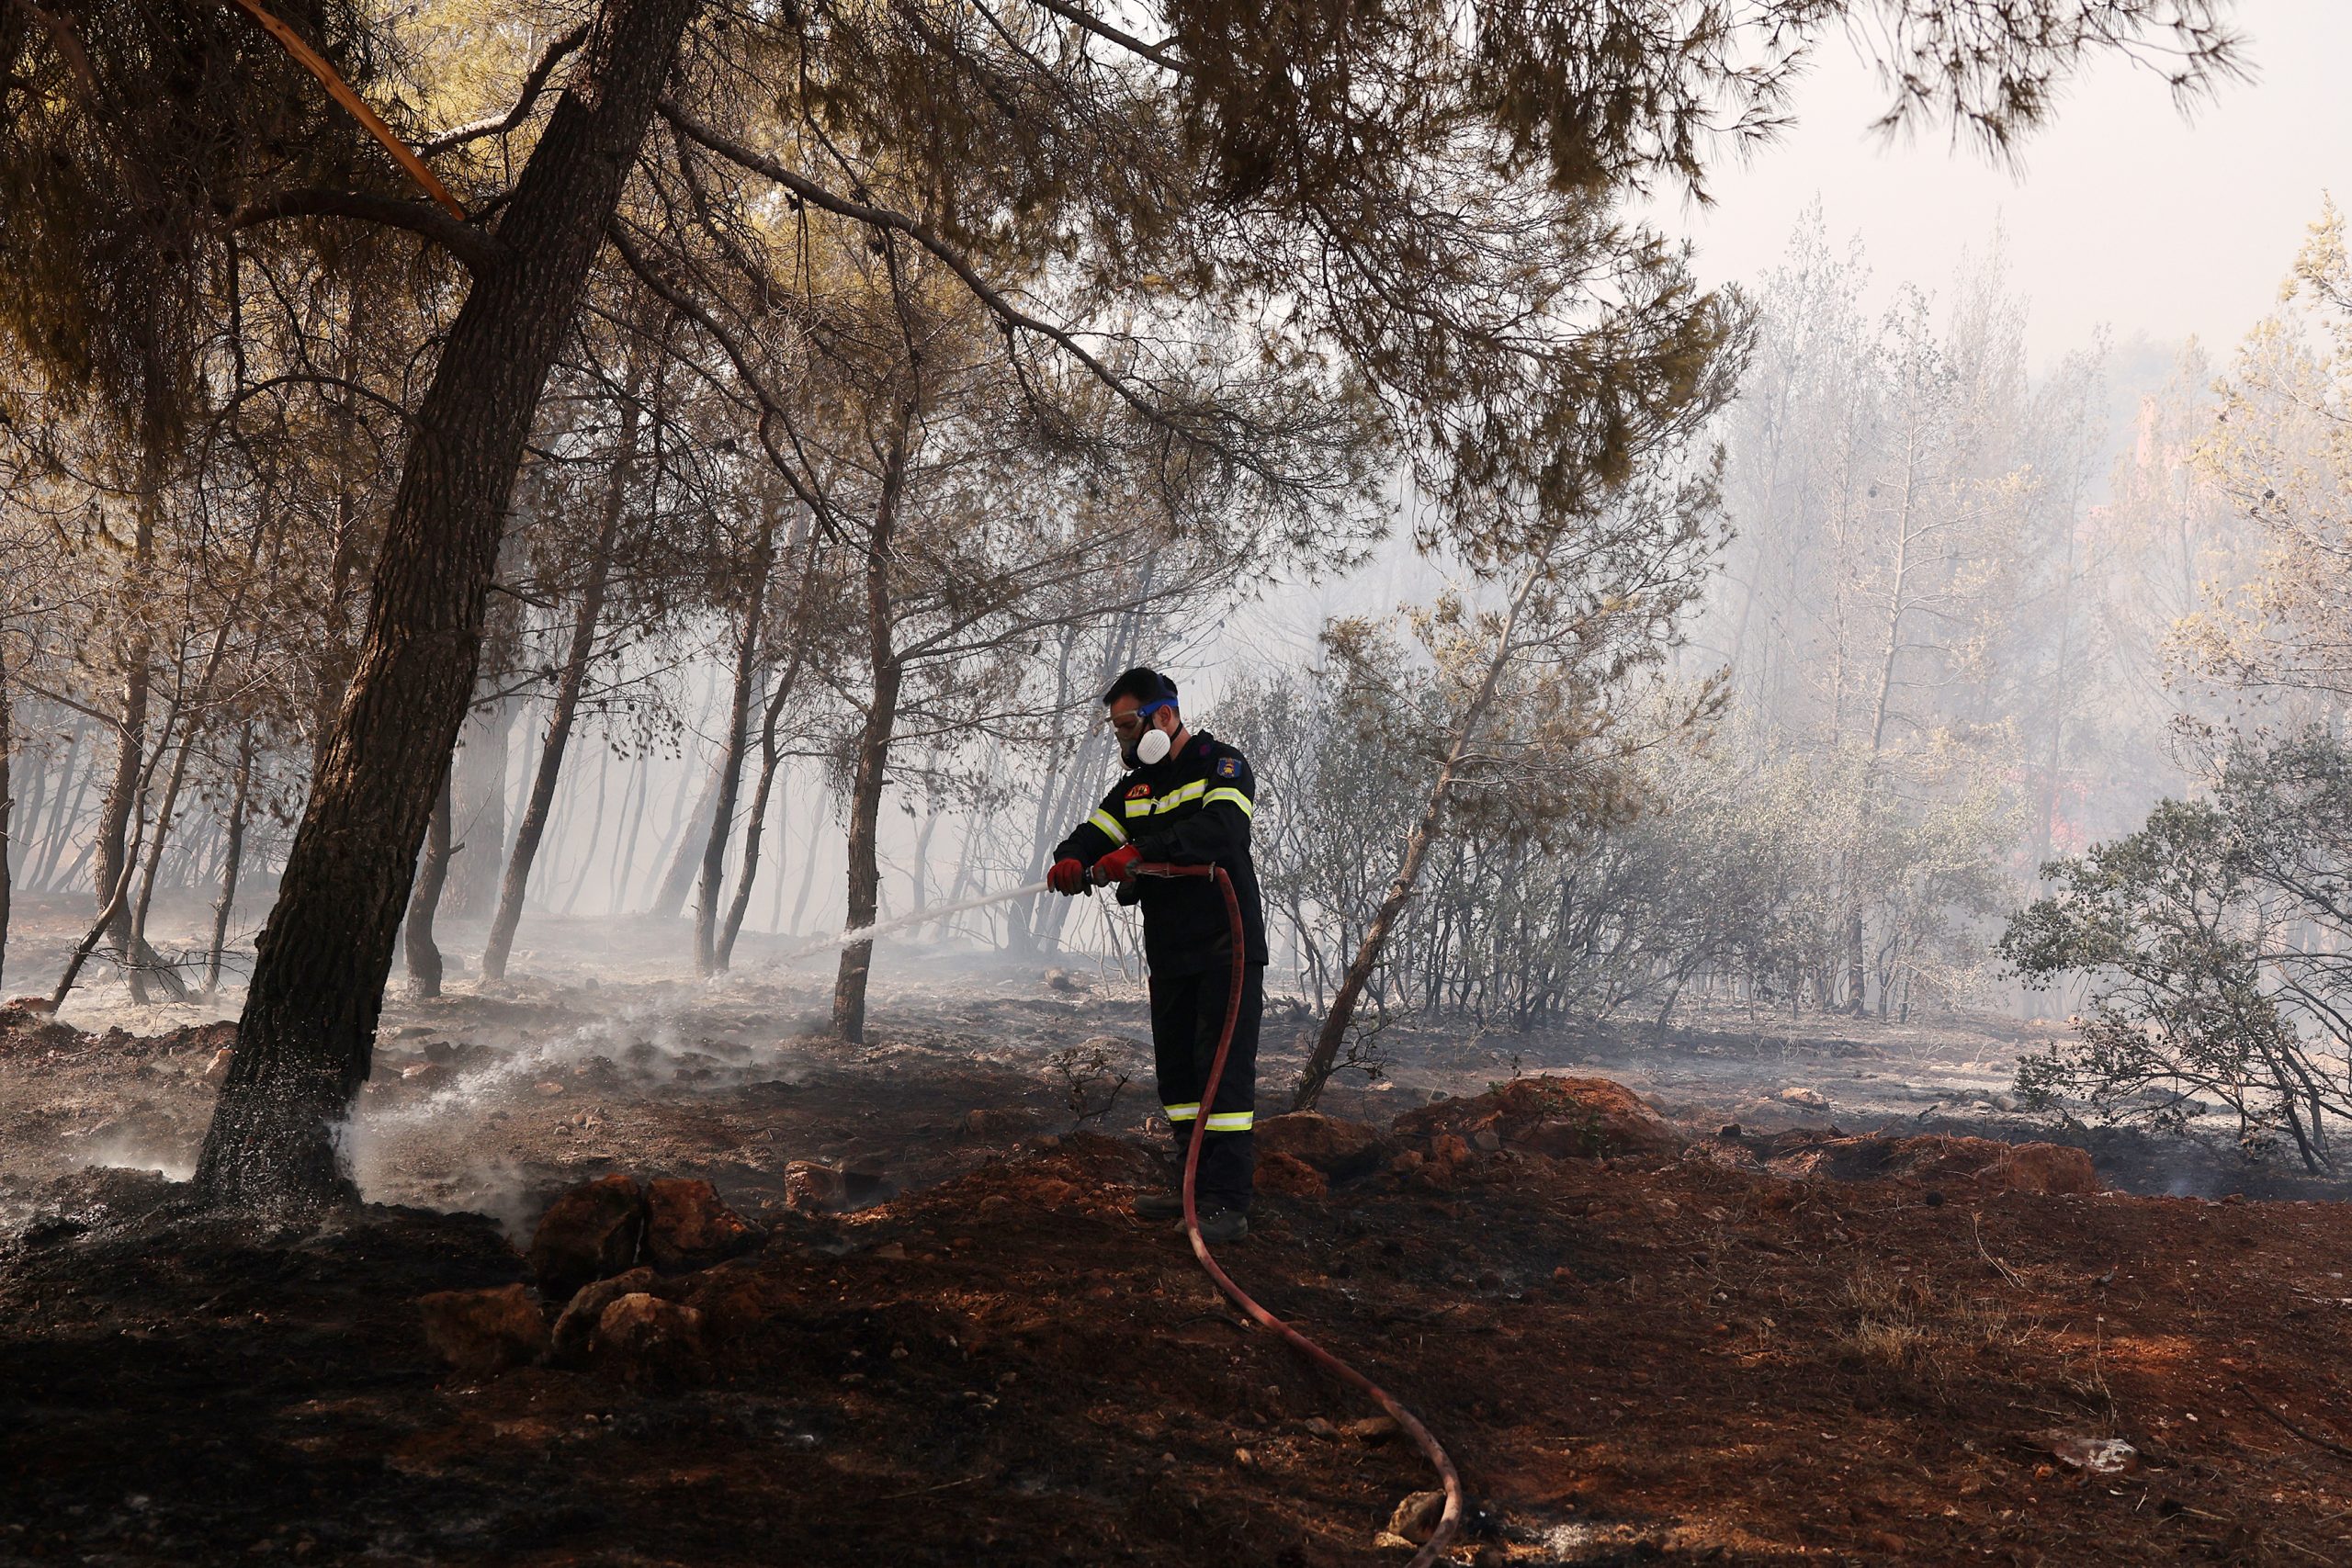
pixel 1187 1015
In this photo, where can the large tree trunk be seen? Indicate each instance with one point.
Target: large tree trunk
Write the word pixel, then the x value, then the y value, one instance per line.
pixel 731 761
pixel 232 861
pixel 1325 1057
pixel 873 743
pixel 573 675
pixel 424 902
pixel 305 1042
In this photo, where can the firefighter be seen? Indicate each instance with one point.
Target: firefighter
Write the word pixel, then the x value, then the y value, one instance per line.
pixel 1186 799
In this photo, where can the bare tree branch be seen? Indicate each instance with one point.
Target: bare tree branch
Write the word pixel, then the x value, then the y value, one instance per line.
pixel 479 251
pixel 533 84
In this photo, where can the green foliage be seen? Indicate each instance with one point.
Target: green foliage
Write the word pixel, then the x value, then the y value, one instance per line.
pixel 2215 950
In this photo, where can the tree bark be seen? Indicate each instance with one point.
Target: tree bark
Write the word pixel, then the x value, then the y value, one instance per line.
pixel 569 680
pixel 305 1040
pixel 873 743
pixel 731 761
pixel 232 861
pixel 425 901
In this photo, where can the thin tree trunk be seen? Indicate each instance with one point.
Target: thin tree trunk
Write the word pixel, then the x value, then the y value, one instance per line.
pixel 1324 1059
pixel 595 832
pixel 30 810
pixel 144 959
pixel 807 873
pixel 873 743
pixel 64 809
pixel 755 823
pixel 568 681
pixel 756 827
pixel 118 899
pixel 731 761
pixel 425 901
pixel 232 861
pixel 305 1042
pixel 113 868
pixel 682 848
pixel 7 804
pixel 477 808
pixel 624 842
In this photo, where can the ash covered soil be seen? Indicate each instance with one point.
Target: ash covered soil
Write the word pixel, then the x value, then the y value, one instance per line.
pixel 1847 1333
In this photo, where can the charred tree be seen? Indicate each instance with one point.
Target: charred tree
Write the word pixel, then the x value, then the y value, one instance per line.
pixel 873 739
pixel 307 1035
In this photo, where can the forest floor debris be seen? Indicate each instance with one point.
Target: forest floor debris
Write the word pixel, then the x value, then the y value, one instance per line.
pixel 1651 1355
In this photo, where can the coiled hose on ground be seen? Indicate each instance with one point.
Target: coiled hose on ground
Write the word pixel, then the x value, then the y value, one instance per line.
pixel 1450 1523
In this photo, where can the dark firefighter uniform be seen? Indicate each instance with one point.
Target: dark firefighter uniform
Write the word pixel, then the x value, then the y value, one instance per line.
pixel 1193 809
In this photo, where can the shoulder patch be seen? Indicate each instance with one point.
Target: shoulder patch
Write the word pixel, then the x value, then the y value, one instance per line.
pixel 1229 767
pixel 1139 792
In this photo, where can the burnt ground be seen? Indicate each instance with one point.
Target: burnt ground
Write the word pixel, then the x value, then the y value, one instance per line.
pixel 1668 1361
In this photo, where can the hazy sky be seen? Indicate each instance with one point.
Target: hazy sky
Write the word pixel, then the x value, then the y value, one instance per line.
pixel 2124 213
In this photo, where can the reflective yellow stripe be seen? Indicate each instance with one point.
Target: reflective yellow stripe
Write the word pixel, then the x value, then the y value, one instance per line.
pixel 1182 1112
pixel 1231 798
pixel 1181 796
pixel 1139 807
pixel 1109 824
pixel 1230 1120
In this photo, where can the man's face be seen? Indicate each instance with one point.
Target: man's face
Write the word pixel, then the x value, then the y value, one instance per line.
pixel 1129 721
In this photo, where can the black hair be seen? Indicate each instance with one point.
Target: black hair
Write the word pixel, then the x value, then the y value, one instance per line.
pixel 1144 684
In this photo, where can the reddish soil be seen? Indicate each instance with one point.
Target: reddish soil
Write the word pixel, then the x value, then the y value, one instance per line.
pixel 1679 1360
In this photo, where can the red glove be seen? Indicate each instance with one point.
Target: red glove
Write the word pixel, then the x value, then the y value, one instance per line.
pixel 1068 876
pixel 1115 866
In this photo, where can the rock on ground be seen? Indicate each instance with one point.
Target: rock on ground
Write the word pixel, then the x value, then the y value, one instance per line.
pixel 641 1338
pixel 1337 1149
pixel 575 1328
pixel 686 1226
pixel 1566 1118
pixel 589 1233
pixel 484 1333
pixel 1933 1156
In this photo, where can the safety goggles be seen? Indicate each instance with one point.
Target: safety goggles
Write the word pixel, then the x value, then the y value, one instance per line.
pixel 1142 715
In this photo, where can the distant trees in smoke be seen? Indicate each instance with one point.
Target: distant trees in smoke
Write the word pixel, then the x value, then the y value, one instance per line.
pixel 903 364
pixel 2211 943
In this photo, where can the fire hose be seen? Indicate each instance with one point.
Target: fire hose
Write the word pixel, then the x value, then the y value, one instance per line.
pixel 1450 1523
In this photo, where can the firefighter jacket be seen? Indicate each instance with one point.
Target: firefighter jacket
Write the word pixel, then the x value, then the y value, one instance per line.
pixel 1193 809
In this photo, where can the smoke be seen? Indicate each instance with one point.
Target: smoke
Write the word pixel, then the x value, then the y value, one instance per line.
pixel 454 1147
